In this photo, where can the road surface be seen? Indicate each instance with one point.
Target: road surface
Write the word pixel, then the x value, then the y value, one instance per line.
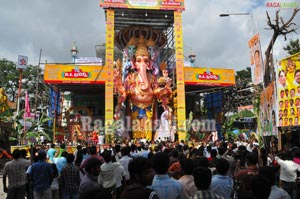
pixel 2 194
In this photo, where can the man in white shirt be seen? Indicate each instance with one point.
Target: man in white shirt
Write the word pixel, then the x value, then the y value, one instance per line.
pixel 288 173
pixel 187 180
pixel 106 177
pixel 124 161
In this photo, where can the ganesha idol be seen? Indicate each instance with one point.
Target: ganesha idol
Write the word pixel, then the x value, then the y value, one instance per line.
pixel 135 82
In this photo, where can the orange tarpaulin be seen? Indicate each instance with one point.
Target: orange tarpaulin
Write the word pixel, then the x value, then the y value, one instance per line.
pixel 6 154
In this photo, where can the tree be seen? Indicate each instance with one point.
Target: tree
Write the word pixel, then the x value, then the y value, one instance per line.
pixel 239 95
pixel 279 27
pixel 292 47
pixel 242 94
pixel 10 83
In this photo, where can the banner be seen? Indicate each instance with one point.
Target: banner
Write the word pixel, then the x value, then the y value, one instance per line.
pixel 177 5
pixel 288 90
pixel 267 112
pixel 209 76
pixel 70 74
pixel 256 61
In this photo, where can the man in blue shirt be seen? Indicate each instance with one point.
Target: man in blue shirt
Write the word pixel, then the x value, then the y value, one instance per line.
pixel 42 175
pixel 51 153
pixel 221 183
pixel 165 186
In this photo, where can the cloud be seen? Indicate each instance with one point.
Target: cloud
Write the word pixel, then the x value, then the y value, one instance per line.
pixel 28 26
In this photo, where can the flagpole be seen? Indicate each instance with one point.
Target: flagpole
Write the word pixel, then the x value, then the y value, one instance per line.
pixel 25 113
pixel 37 84
pixel 19 92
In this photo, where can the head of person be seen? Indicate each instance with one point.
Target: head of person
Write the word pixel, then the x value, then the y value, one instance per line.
pixel 297 76
pixel 125 151
pixel 261 187
pixel 93 150
pixel 23 153
pixel 202 178
pixel 187 166
pixel 141 171
pixel 52 145
pixel 70 158
pixel 161 162
pixel 79 147
pixel 107 156
pixel 93 166
pixel 269 173
pixel 280 113
pixel 222 166
pixel 62 146
pixel 64 154
pixel 251 158
pixel 280 121
pixel 257 58
pixel 16 154
pixel 292 92
pixel 201 161
pixel 42 155
pixel 282 93
pixel 286 92
pixel 282 77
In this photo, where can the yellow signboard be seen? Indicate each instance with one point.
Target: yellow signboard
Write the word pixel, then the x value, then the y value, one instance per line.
pixel 288 91
pixel 144 4
pixel 209 76
pixel 71 74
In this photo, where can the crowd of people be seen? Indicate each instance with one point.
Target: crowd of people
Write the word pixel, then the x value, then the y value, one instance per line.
pixel 164 170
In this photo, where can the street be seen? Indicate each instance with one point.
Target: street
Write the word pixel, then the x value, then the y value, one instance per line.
pixel 2 194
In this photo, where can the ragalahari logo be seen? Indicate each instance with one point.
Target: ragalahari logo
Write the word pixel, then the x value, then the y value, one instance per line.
pixel 207 75
pixel 76 73
pixel 282 5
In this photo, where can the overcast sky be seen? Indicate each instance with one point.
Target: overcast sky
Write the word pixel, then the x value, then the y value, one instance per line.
pixel 53 25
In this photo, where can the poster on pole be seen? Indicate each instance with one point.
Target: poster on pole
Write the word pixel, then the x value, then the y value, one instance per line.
pixel 256 61
pixel 22 62
pixel 267 113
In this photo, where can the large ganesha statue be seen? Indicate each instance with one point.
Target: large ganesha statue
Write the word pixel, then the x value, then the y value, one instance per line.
pixel 137 84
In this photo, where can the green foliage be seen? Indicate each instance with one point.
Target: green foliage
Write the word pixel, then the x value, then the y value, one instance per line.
pixel 39 128
pixel 292 47
pixel 246 113
pixel 10 82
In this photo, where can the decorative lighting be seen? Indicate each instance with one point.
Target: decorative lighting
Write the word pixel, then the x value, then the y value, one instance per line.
pixel 74 51
pixel 192 58
pixel 122 14
pixel 166 15
pixel 146 14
